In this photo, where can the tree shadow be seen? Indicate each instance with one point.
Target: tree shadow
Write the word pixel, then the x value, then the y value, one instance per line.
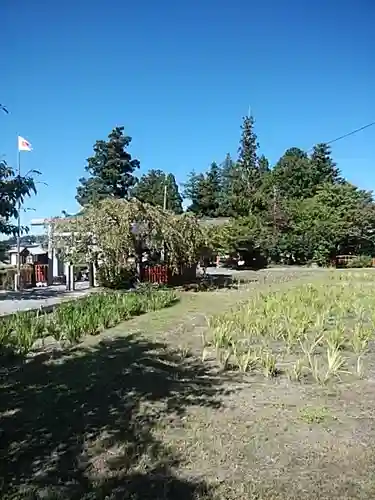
pixel 217 281
pixel 82 425
pixel 42 293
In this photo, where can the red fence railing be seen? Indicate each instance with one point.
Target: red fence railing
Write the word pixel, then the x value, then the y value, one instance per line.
pixel 41 273
pixel 156 274
pixel 163 275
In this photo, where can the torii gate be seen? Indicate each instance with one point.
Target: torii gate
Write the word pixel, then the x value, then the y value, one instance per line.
pixel 68 267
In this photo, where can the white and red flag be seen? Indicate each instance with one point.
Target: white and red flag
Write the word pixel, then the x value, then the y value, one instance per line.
pixel 23 144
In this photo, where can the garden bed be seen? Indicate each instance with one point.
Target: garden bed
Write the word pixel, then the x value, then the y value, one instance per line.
pixel 315 331
pixel 68 322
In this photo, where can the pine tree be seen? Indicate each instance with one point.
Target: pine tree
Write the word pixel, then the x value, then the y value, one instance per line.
pixel 264 165
pixel 111 170
pixel 211 191
pixel 194 191
pixel 293 176
pixel 204 191
pixel 246 178
pixel 151 187
pixel 324 167
pixel 247 151
pixel 174 198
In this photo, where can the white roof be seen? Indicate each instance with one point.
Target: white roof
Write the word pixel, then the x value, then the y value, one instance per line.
pixel 33 249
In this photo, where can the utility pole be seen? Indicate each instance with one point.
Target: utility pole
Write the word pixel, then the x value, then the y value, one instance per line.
pixel 274 207
pixel 164 208
pixel 18 277
pixel 165 194
pixel 23 145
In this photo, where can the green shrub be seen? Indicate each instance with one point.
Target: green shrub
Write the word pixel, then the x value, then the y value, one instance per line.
pixel 115 277
pixel 27 327
pixel 7 278
pixel 360 261
pixel 6 329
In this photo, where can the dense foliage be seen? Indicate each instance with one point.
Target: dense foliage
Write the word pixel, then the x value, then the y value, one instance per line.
pixel 111 170
pixel 114 232
pixel 300 210
pixel 13 189
pixel 158 188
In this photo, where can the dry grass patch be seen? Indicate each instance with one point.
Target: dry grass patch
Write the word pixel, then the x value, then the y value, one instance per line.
pixel 319 331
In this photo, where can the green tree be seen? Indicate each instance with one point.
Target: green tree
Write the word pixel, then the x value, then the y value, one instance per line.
pixel 204 191
pixel 211 191
pixel 194 191
pixel 293 176
pixel 264 165
pixel 325 169
pixel 247 151
pixel 13 190
pixel 242 236
pixel 151 188
pixel 247 174
pixel 106 232
pixel 227 173
pixel 246 179
pixel 340 218
pixel 111 170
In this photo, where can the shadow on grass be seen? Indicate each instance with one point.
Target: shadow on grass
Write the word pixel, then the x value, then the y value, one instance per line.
pixel 82 426
pixel 217 282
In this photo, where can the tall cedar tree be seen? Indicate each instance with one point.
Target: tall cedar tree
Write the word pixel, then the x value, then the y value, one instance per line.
pixel 325 169
pixel 211 192
pixel 226 192
pixel 264 165
pixel 204 191
pixel 194 190
pixel 247 177
pixel 150 189
pixel 111 170
pixel 247 150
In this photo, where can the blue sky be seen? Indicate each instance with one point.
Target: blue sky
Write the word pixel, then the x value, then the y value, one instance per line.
pixel 179 75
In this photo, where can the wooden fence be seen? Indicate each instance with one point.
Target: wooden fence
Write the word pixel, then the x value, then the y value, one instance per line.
pixel 30 275
pixel 163 275
pixel 345 261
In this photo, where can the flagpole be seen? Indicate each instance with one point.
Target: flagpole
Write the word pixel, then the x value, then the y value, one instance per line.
pixel 18 279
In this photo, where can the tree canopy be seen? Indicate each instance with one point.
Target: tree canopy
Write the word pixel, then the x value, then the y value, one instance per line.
pixel 298 210
pixel 114 230
pixel 13 189
pixel 111 170
pixel 152 187
pixel 204 192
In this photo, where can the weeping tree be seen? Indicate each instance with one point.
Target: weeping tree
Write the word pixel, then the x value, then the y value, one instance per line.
pixel 115 231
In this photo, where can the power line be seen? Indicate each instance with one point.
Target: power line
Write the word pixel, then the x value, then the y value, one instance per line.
pixel 347 135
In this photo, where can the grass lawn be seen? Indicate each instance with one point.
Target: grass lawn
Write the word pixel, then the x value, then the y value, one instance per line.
pixel 263 392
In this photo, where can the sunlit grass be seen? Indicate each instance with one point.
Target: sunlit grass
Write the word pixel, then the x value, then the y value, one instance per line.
pixel 324 328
